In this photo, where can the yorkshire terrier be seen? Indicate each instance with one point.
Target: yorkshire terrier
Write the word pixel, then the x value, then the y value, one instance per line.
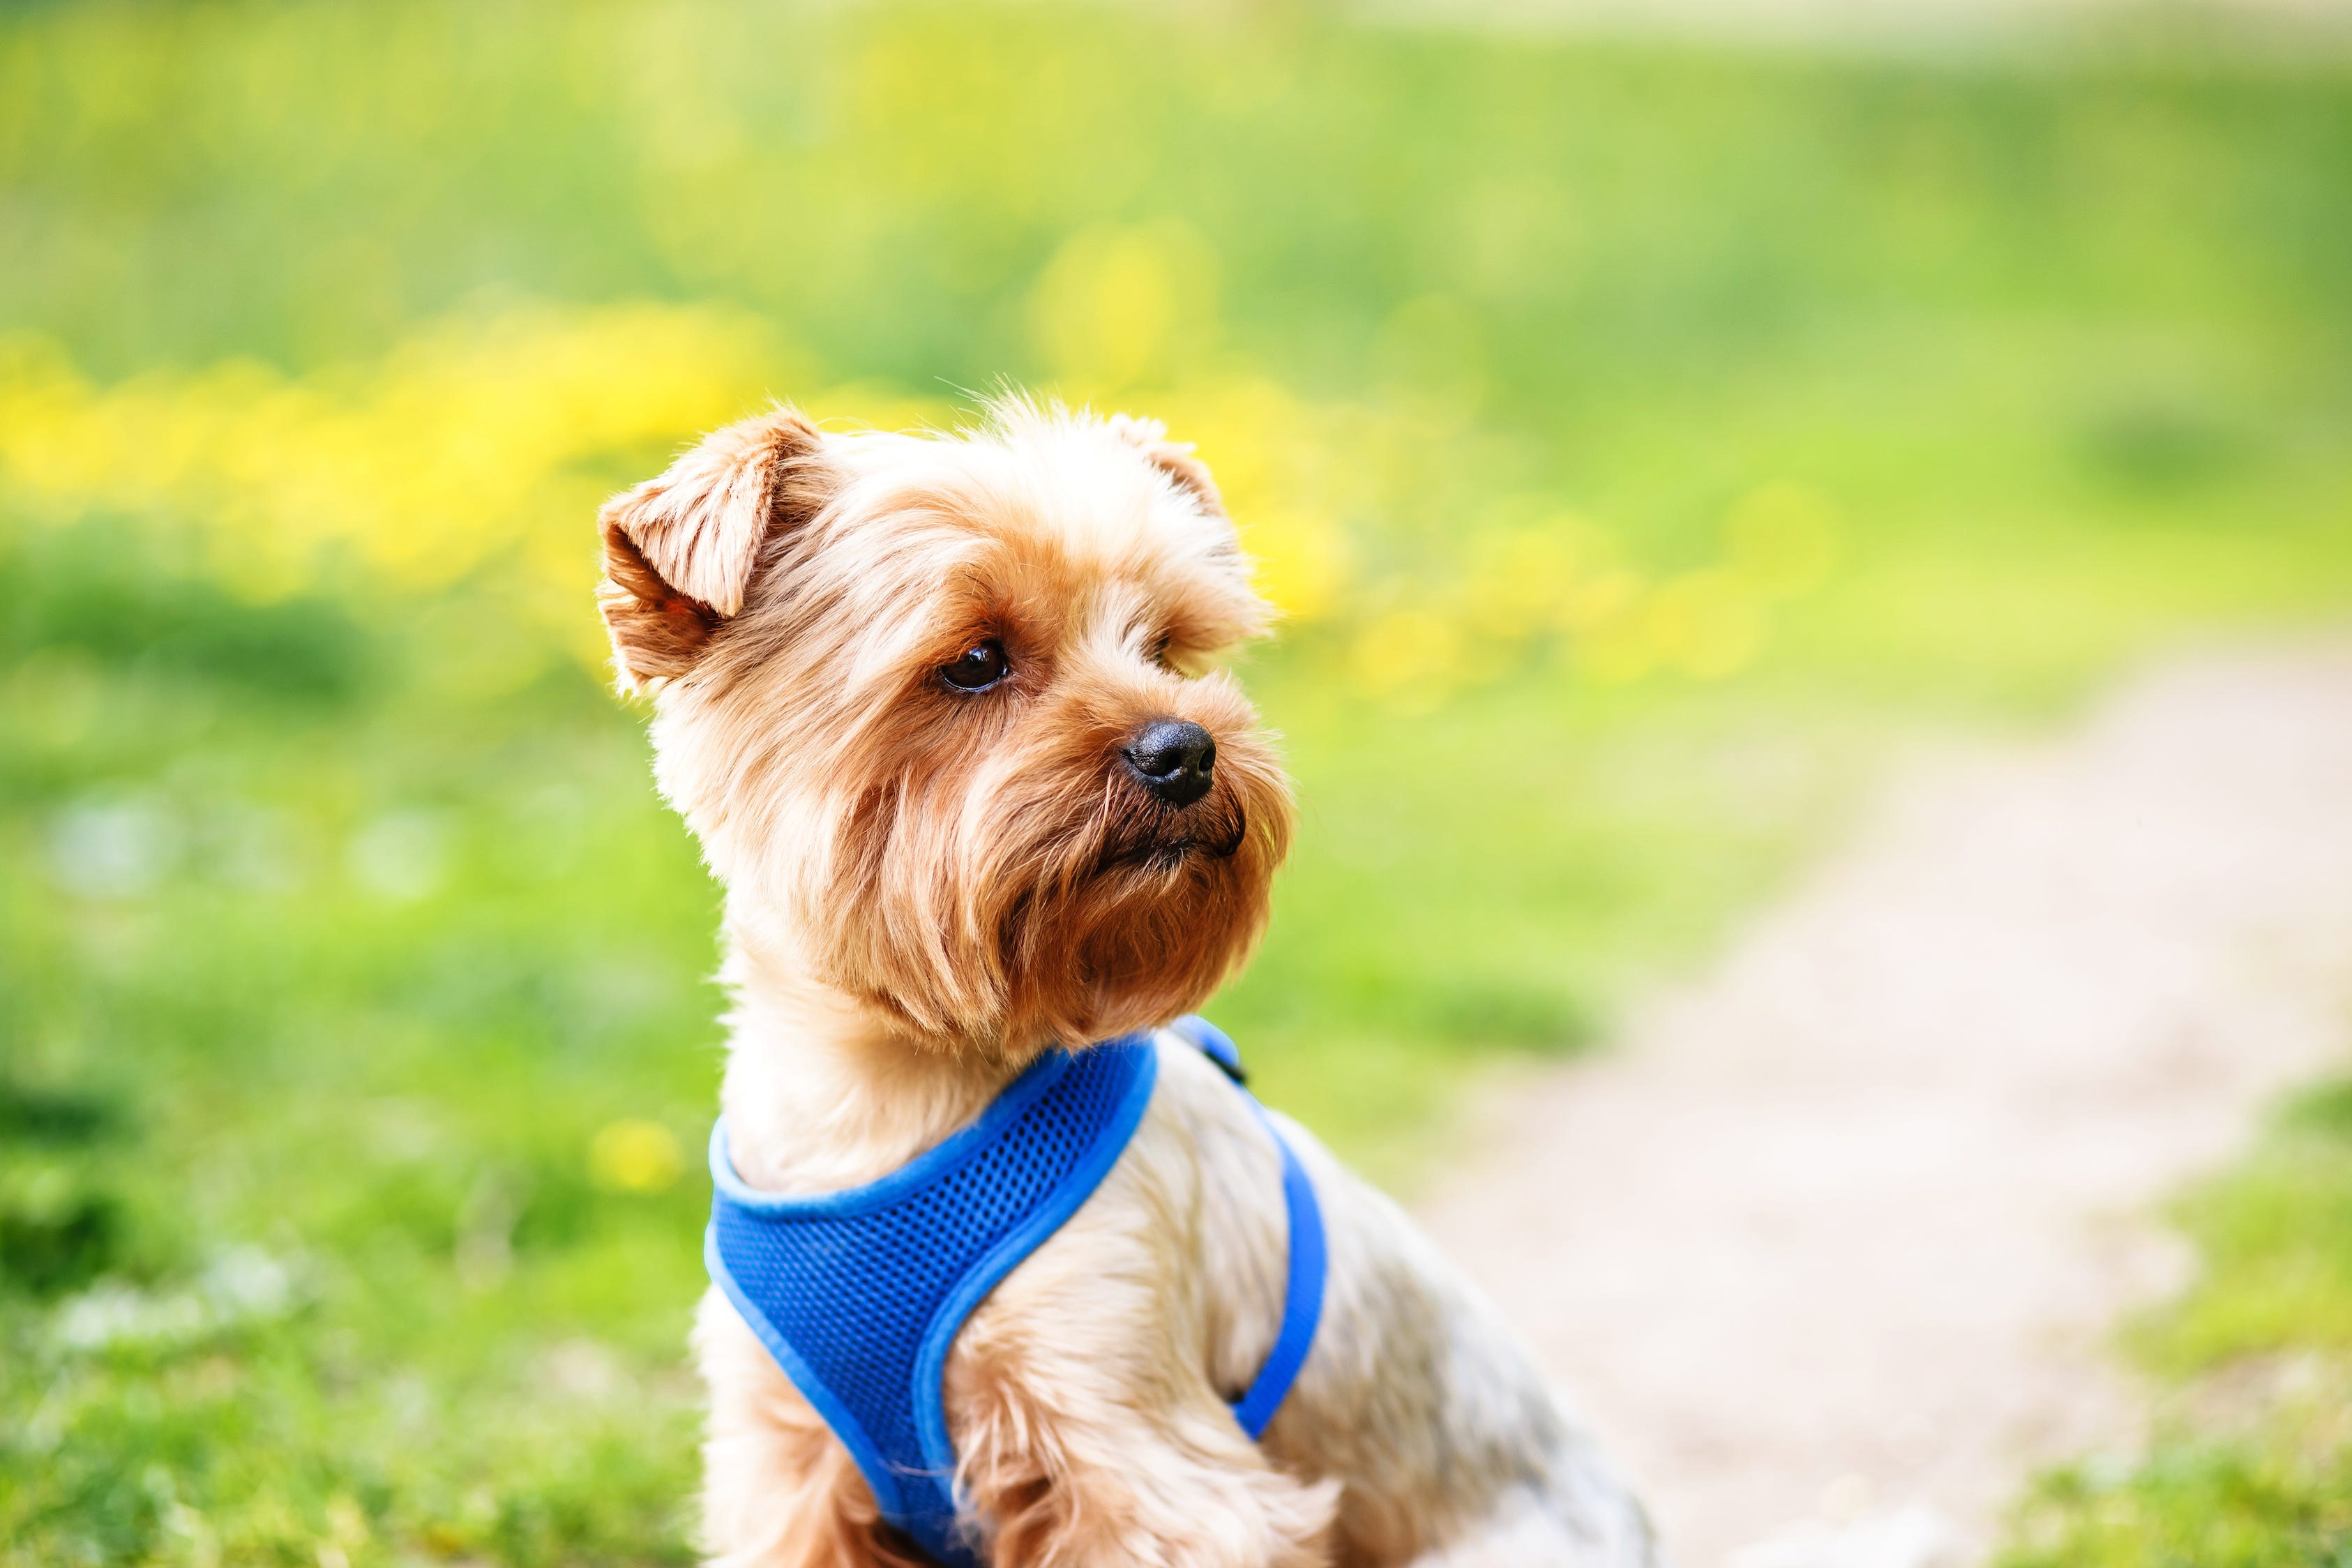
pixel 945 714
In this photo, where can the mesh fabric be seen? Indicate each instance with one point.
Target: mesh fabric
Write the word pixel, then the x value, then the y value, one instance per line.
pixel 859 1293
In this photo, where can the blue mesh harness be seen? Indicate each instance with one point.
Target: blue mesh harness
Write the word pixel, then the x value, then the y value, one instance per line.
pixel 858 1294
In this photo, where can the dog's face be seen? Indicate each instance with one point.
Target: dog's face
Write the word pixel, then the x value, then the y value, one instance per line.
pixel 941 709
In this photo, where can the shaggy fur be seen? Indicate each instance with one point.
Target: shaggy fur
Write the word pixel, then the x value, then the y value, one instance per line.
pixel 925 888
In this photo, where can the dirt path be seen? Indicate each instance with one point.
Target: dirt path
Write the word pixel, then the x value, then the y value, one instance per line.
pixel 1829 1246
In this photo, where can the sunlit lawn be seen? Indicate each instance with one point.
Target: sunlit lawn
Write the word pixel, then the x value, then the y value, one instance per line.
pixel 1644 444
pixel 2252 1465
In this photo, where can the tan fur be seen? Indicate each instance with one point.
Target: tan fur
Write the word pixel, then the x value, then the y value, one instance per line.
pixel 925 888
pixel 680 550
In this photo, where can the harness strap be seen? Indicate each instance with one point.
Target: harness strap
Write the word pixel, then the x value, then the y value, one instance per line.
pixel 1302 1295
pixel 858 1295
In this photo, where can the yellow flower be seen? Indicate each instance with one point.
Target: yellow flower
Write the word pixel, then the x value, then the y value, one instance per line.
pixel 1413 653
pixel 1118 307
pixel 1707 624
pixel 1782 537
pixel 634 1155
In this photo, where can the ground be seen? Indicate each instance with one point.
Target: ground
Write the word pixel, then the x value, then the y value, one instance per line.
pixel 1831 1244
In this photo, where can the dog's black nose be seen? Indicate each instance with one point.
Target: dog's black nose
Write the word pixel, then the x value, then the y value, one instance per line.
pixel 1172 758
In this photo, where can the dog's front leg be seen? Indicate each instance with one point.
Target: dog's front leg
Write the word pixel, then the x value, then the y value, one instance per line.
pixel 1079 1468
pixel 1059 1450
pixel 1086 1429
pixel 779 1489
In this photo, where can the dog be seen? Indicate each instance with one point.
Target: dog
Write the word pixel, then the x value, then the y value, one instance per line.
pixel 897 684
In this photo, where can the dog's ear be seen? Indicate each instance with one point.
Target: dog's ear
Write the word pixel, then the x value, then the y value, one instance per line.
pixel 680 549
pixel 1173 458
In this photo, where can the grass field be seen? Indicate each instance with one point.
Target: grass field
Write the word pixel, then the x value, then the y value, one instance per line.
pixel 2252 1463
pixel 1643 442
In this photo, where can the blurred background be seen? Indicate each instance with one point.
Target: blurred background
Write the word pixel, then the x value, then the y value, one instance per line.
pixel 1648 432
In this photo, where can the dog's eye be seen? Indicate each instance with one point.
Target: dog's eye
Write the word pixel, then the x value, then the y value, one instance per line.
pixel 981 666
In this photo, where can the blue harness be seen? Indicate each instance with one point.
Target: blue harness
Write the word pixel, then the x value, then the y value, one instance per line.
pixel 858 1294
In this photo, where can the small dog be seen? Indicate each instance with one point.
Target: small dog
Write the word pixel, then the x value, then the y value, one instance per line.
pixel 897 684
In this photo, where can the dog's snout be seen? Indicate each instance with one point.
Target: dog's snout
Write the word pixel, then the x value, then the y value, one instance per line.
pixel 1173 758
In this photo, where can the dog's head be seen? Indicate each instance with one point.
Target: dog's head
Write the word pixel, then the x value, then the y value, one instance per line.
pixel 942 709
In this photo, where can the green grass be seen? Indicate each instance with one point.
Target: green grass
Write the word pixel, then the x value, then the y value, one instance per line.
pixel 354 1043
pixel 2253 1463
pixel 299 1125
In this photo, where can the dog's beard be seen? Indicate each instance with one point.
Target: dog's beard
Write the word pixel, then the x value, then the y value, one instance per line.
pixel 1162 905
pixel 1154 837
pixel 1058 912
